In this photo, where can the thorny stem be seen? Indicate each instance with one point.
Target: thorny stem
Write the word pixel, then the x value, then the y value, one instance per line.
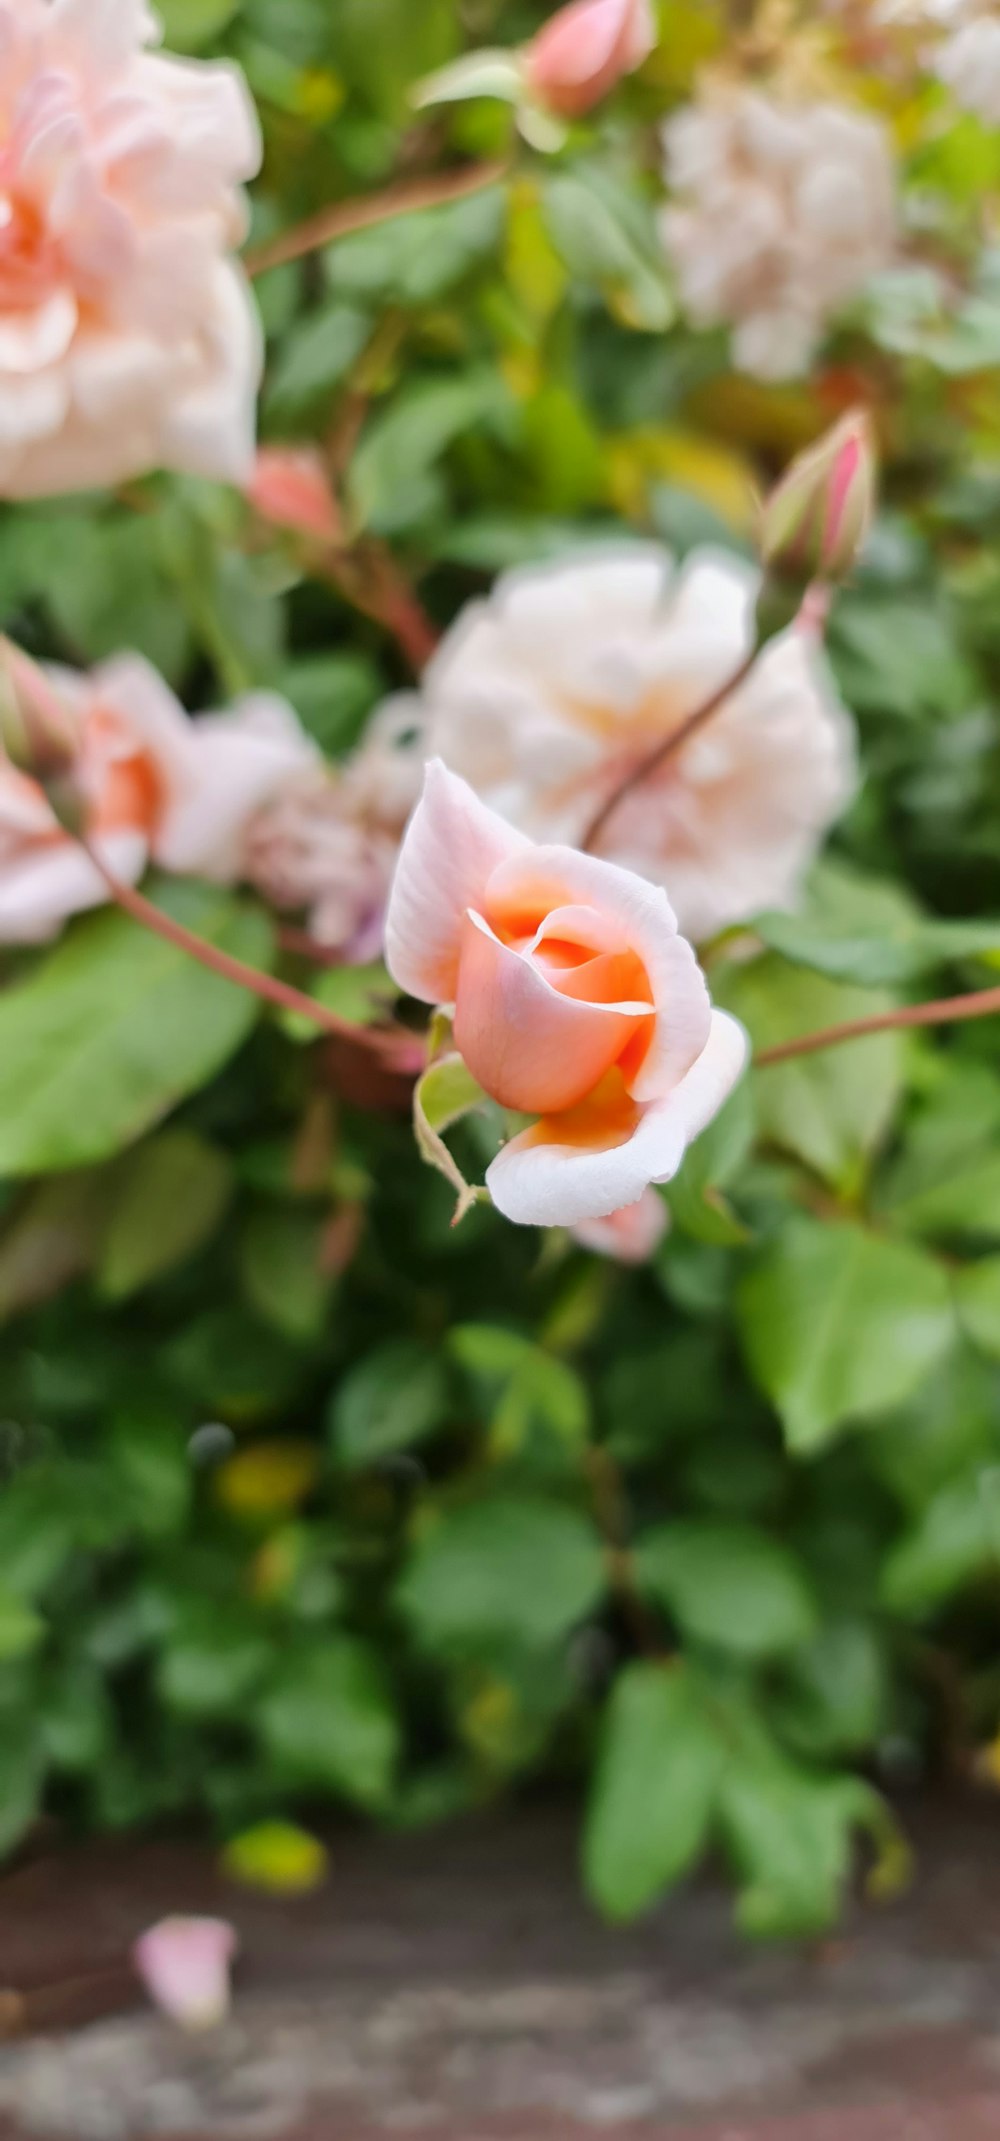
pixel 980 1003
pixel 266 986
pixel 342 217
pixel 671 744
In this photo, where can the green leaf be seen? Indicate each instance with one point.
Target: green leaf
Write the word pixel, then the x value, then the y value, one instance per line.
pixel 173 1195
pixel 696 1194
pixel 415 258
pixel 36 1531
pixel 329 1720
pixel 193 25
pixel 333 694
pixel 522 1388
pixel 392 474
pixel 150 1456
pixel 315 356
pixel 789 1835
pixel 653 1796
pixel 358 993
pixel 607 237
pixel 281 1262
pixel 834 1699
pixel 896 657
pixel 21 1628
pixel 955 1540
pixel 977 1298
pixel 869 930
pixel 947 1179
pixel 510 1570
pixel 115 1026
pixel 831 1109
pixel 214 1661
pixel 394 1398
pixel 728 1586
pixel 839 1324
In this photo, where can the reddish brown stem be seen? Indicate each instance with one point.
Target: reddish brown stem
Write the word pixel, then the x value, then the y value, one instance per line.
pixel 370 580
pixel 665 750
pixel 980 1003
pixel 342 217
pixel 266 986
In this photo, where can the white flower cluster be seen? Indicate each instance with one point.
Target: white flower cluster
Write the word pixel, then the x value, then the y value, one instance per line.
pixel 781 213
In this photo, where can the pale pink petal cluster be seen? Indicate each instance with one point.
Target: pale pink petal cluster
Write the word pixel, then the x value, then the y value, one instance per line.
pixel 967 60
pixel 576 1003
pixel 328 842
pixel 629 1236
pixel 580 54
pixel 781 213
pixel 184 1965
pixel 546 695
pixel 157 787
pixel 128 336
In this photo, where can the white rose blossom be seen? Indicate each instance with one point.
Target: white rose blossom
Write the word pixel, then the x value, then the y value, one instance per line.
pixel 781 213
pixel 128 336
pixel 328 842
pixel 548 693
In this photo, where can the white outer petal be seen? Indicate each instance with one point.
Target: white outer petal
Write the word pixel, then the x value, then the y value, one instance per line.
pixel 451 847
pixel 554 1185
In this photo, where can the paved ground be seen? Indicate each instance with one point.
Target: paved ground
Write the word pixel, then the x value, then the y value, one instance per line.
pixel 457 1989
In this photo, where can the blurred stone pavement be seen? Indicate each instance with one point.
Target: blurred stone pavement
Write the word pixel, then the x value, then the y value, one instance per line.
pixel 455 1987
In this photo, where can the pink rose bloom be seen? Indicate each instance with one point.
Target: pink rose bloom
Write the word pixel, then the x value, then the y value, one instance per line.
pixel 630 1236
pixel 184 1964
pixel 128 337
pixel 546 695
pixel 584 50
pixel 156 786
pixel 290 488
pixel 575 1001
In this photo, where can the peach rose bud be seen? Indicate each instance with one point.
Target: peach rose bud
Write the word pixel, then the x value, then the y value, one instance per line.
pixel 291 489
pixel 584 50
pixel 35 729
pixel 576 1004
pixel 184 1964
pixel 630 1236
pixel 815 522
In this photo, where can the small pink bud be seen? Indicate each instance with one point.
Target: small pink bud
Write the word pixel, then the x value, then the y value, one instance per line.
pixel 184 1965
pixel 291 489
pixel 629 1236
pixel 813 525
pixel 36 732
pixel 586 48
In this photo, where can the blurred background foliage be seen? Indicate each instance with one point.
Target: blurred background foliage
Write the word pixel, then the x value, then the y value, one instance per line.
pixel 309 1501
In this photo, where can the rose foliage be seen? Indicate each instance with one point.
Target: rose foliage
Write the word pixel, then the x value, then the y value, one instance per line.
pixel 669 1478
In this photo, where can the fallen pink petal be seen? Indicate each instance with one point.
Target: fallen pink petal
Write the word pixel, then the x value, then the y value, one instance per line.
pixel 184 1965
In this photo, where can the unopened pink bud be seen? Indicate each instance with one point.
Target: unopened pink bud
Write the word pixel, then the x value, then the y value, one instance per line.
pixel 814 523
pixel 291 489
pixel 578 56
pixel 184 1964
pixel 36 732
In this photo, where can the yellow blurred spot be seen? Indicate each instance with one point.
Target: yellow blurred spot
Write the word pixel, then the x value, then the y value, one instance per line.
pixel 321 94
pixel 987 1764
pixel 715 473
pixel 276 1566
pixel 272 1477
pixel 278 1857
pixel 892 1872
pixel 534 270
pixel 490 1718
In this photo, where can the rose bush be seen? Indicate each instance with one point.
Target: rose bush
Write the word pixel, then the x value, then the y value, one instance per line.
pixel 679 1490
